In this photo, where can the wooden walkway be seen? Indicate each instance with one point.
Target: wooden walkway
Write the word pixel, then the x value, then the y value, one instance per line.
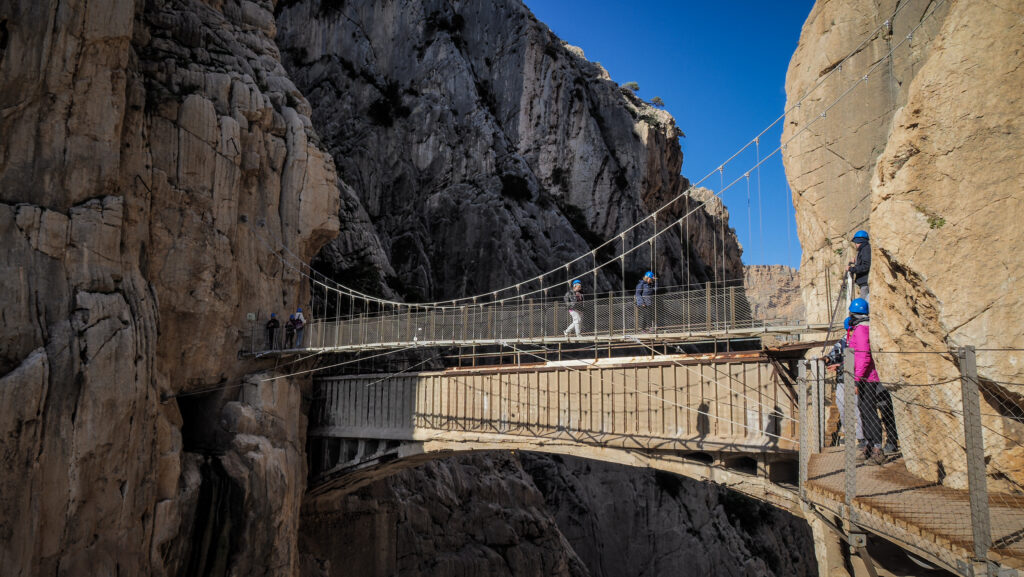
pixel 935 519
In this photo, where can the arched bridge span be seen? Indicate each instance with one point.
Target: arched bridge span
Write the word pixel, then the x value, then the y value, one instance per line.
pixel 729 418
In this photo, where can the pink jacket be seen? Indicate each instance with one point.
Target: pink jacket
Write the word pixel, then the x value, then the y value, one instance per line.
pixel 863 364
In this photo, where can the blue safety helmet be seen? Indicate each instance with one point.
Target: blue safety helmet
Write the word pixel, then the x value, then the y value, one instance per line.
pixel 648 274
pixel 846 323
pixel 576 282
pixel 860 234
pixel 859 306
pixel 300 309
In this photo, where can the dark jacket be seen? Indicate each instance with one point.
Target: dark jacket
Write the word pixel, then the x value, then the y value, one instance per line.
pixel 573 300
pixel 862 265
pixel 273 324
pixel 835 357
pixel 645 293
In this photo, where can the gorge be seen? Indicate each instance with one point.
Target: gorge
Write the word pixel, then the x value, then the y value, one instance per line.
pixel 158 159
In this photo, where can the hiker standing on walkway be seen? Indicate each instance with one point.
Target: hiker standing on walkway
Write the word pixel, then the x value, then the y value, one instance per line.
pixel 574 302
pixel 870 391
pixel 300 323
pixel 645 300
pixel 289 332
pixel 862 264
pixel 834 362
pixel 272 325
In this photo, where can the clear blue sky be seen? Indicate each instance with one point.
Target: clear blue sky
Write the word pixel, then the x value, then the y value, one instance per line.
pixel 720 67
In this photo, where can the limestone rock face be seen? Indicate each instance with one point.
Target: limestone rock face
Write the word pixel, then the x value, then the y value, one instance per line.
pixel 670 521
pixel 154 157
pixel 830 161
pixel 532 514
pixel 936 176
pixel 482 149
pixel 472 515
pixel 773 292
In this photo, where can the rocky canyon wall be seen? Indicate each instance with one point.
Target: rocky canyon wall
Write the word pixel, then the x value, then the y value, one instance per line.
pixel 774 292
pixel 534 514
pixel 483 150
pixel 926 156
pixel 154 157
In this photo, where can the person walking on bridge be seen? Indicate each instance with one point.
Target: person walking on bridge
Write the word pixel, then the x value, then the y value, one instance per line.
pixel 860 267
pixel 574 302
pixel 645 290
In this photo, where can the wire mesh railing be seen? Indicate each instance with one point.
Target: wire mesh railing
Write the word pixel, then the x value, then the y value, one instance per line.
pixel 706 310
pixel 942 457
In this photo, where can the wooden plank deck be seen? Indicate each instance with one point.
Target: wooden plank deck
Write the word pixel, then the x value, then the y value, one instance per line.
pixel 932 513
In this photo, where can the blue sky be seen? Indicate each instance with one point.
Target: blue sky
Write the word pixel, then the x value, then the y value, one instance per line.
pixel 720 67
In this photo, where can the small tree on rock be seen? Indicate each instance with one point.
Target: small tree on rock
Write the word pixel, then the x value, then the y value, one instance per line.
pixel 633 86
pixel 657 101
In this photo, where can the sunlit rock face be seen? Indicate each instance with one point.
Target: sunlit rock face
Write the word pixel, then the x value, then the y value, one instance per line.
pixel 483 150
pixel 773 292
pixel 153 158
pixel 926 157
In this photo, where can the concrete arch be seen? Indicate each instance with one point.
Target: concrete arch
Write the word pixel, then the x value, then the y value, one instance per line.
pixel 373 466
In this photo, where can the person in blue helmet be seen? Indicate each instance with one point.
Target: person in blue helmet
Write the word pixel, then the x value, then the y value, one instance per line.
pixel 862 263
pixel 574 302
pixel 872 397
pixel 645 290
pixel 834 362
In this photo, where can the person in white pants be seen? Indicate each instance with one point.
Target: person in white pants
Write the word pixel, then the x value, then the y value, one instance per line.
pixel 574 301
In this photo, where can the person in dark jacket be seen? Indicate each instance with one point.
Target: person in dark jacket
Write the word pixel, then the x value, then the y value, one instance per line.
pixel 289 332
pixel 645 300
pixel 859 268
pixel 574 302
pixel 272 325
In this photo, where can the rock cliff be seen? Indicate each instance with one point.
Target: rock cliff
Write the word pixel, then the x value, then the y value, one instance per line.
pixel 773 292
pixel 926 157
pixel 160 178
pixel 482 149
pixel 533 514
pixel 150 154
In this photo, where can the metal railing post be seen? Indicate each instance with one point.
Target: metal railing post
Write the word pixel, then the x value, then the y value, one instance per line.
pixel 804 422
pixel 849 432
pixel 974 443
pixel 817 404
pixel 707 305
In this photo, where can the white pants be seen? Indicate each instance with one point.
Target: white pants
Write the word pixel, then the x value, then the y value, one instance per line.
pixel 574 325
pixel 841 405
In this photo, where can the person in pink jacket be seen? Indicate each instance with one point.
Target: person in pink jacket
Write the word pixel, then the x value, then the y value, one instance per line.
pixel 866 377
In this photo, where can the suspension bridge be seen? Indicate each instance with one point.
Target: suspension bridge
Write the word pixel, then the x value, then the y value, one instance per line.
pixel 650 382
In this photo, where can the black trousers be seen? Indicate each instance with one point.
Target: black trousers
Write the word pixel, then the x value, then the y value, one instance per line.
pixel 867 401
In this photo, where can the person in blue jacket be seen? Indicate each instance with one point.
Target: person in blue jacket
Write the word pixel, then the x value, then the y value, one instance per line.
pixel 645 300
pixel 860 267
